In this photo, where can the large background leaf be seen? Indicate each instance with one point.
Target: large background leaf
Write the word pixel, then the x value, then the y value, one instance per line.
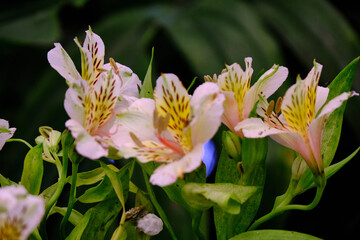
pixel 191 38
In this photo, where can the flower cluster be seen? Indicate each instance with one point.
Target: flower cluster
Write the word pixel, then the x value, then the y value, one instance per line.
pixel 105 111
pixel 169 127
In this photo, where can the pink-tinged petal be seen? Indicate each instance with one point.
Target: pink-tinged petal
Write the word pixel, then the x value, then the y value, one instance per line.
pixel 95 46
pixel 321 96
pixel 336 103
pixel 296 142
pixel 231 112
pixel 256 128
pixel 137 119
pixel 129 81
pixel 5 135
pixel 316 129
pixel 62 63
pixel 207 104
pixel 167 174
pixel 20 210
pixel 234 79
pixel 267 84
pixel 87 68
pixel 74 105
pixel 172 98
pixel 86 145
pixel 154 151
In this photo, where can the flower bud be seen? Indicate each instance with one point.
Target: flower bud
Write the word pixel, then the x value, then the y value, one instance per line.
pixel 150 224
pixel 232 144
pixel 49 137
pixel 298 168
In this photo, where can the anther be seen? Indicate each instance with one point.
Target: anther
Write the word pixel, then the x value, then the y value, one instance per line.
pixel 136 140
pixel 278 105
pixel 270 108
pixel 113 64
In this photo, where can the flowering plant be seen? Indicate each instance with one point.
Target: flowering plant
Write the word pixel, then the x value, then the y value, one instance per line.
pixel 128 129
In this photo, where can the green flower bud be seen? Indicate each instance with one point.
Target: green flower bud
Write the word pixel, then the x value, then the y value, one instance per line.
pixel 232 145
pixel 298 168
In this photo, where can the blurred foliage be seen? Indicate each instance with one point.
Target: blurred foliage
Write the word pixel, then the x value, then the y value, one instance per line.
pixel 190 38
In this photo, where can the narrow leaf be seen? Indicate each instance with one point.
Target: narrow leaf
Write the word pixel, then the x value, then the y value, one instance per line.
pixel 147 87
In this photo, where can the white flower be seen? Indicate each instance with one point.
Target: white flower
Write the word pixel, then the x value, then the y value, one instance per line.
pixel 172 128
pixel 303 118
pixel 20 212
pixel 150 224
pixel 5 132
pixel 240 98
pixel 94 97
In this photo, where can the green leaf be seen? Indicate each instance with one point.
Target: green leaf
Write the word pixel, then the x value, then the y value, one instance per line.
pixel 254 152
pixel 227 196
pixel 100 191
pixel 273 235
pixel 92 176
pixel 97 193
pixel 147 87
pixel 75 216
pixel 33 170
pixel 5 181
pixel 97 220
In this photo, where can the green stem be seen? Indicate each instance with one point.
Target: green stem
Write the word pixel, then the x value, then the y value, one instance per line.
pixel 157 205
pixel 196 226
pixel 284 207
pixel 19 140
pixel 75 167
pixel 62 181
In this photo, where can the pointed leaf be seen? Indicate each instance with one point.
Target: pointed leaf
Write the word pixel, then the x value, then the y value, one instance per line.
pixel 33 170
pixel 147 87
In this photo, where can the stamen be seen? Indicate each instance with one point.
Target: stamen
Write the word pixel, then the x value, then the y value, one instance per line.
pixel 136 140
pixel 270 108
pixel 278 105
pixel 113 64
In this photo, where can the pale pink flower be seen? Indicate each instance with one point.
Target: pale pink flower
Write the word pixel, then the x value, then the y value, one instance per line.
pixel 302 122
pixel 20 212
pixel 94 97
pixel 172 128
pixel 5 132
pixel 240 98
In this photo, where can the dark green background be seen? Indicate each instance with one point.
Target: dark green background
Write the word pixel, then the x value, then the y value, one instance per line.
pixel 191 38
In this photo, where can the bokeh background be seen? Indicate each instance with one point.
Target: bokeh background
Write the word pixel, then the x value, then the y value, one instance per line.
pixel 191 39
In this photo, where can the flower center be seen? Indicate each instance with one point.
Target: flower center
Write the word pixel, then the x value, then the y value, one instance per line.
pixel 10 230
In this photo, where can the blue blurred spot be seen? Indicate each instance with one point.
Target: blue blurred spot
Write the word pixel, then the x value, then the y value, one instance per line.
pixel 111 160
pixel 209 156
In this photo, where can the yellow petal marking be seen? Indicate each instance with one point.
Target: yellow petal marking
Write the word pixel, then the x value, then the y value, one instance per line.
pixel 100 102
pixel 237 82
pixel 295 111
pixel 153 151
pixel 172 98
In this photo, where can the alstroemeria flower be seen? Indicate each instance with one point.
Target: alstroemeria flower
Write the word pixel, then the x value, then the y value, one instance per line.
pixel 303 118
pixel 5 132
pixel 172 128
pixel 20 212
pixel 240 98
pixel 94 97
